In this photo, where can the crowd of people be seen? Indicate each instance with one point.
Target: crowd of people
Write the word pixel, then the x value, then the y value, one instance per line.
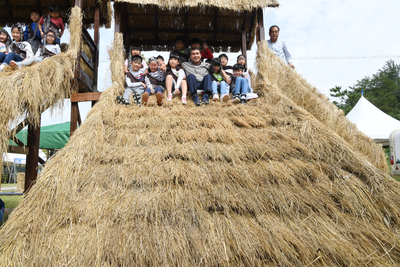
pixel 39 40
pixel 193 70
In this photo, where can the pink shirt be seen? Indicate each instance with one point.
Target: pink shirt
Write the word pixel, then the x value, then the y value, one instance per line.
pixel 58 22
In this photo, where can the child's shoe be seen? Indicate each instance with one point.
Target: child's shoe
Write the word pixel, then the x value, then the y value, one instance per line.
pixel 225 97
pixel 15 65
pixel 122 101
pixel 215 97
pixel 2 66
pixel 243 99
pixel 159 98
pixel 184 100
pixel 136 98
pixel 236 98
pixel 145 98
pixel 169 97
pixel 205 99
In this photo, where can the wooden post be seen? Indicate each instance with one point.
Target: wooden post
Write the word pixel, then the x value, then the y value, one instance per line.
pixel 260 28
pixel 32 158
pixel 244 43
pixel 79 3
pixel 117 7
pixel 97 42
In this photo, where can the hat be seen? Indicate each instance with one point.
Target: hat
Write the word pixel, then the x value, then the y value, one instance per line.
pixel 223 55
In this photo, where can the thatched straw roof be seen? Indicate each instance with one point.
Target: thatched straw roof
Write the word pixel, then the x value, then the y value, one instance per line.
pixel 262 184
pixel 19 11
pixel 154 25
pixel 28 92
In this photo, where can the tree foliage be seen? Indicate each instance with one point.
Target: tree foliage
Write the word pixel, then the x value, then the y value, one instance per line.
pixel 382 90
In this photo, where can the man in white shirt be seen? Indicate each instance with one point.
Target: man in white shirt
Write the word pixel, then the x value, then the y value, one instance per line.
pixel 279 47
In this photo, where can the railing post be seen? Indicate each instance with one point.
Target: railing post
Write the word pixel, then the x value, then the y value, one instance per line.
pixel 32 159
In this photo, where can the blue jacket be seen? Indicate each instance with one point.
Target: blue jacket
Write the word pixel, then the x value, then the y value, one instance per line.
pixel 26 32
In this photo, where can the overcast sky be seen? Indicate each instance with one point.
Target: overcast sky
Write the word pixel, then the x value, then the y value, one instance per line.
pixel 311 29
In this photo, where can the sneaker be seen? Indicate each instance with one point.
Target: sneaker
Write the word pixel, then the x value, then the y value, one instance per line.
pixel 205 99
pixel 196 100
pixel 14 65
pixel 159 98
pixel 243 99
pixel 225 98
pixel 136 98
pixel 2 66
pixel 145 98
pixel 215 97
pixel 122 101
pixel 119 99
pixel 251 96
pixel 236 98
pixel 169 97
pixel 184 100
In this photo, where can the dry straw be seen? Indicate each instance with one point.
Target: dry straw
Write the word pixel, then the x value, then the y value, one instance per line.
pixel 265 184
pixel 306 96
pixel 28 92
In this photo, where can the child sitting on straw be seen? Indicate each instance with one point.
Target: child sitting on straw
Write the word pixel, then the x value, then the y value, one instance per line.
pixel 32 33
pixel 134 82
pixel 18 50
pixel 154 81
pixel 49 49
pixel 5 42
pixel 175 78
pixel 218 81
pixel 52 21
pixel 239 84
pixel 224 63
pixel 241 59
pixel 134 51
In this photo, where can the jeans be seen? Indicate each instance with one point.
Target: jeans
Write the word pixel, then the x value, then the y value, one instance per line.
pixel 222 85
pixel 204 85
pixel 241 86
pixel 10 56
pixel 158 89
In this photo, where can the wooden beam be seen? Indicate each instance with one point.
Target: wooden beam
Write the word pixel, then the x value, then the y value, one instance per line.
pixel 96 40
pixel 244 43
pixel 260 28
pixel 244 21
pixel 18 150
pixel 74 118
pixel 81 97
pixel 20 126
pixel 87 60
pixel 32 159
pixel 21 144
pixel 86 81
pixel 117 14
pixel 79 3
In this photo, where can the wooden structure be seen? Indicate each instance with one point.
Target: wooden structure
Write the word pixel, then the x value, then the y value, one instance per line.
pixel 84 84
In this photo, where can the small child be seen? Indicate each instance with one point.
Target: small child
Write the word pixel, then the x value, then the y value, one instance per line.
pixel 175 78
pixel 51 48
pixel 134 82
pixel 32 33
pixel 239 85
pixel 224 63
pixel 18 50
pixel 179 48
pixel 52 21
pixel 154 82
pixel 5 42
pixel 160 60
pixel 134 51
pixel 205 52
pixel 218 81
pixel 241 59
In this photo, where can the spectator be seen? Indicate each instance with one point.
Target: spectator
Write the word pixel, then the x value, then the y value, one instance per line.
pixel 278 46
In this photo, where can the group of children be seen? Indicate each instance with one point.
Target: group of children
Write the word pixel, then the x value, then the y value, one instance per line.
pixel 143 80
pixel 39 40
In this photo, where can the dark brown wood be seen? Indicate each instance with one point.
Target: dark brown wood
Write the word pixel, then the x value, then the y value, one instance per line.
pixel 86 36
pixel 215 24
pixel 244 44
pixel 96 38
pixel 117 14
pixel 79 3
pixel 86 81
pixel 87 60
pixel 74 118
pixel 244 21
pixel 79 117
pixel 18 150
pixel 81 97
pixel 32 159
pixel 260 18
pixel 20 126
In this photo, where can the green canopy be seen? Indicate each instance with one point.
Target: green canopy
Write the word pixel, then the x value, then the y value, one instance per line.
pixel 51 136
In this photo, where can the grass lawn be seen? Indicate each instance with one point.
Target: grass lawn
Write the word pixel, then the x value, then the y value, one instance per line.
pixel 11 202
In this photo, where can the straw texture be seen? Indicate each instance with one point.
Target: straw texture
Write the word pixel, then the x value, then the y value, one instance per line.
pixel 306 96
pixel 265 184
pixel 28 92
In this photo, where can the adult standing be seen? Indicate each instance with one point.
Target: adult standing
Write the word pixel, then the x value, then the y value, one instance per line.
pixel 278 46
pixel 197 76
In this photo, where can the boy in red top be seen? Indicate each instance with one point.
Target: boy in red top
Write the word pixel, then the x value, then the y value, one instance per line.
pixel 205 52
pixel 52 21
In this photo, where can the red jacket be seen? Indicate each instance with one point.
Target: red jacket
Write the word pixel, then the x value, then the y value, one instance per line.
pixel 206 53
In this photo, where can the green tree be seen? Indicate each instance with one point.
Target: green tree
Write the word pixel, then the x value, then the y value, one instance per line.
pixel 382 90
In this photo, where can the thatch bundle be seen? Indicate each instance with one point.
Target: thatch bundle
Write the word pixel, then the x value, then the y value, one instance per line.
pixel 306 96
pixel 261 184
pixel 28 92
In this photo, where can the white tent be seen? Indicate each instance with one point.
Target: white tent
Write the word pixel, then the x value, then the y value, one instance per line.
pixel 372 121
